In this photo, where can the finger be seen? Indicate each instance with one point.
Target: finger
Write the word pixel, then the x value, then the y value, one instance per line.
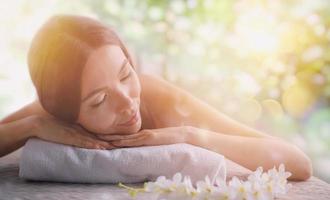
pixel 96 144
pixel 84 131
pixel 90 135
pixel 111 137
pixel 84 141
pixel 105 145
pixel 140 141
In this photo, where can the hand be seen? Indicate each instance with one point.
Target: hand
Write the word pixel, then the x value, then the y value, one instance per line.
pixel 149 137
pixel 54 130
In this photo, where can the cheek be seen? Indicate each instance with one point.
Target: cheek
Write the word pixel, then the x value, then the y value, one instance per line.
pixel 100 121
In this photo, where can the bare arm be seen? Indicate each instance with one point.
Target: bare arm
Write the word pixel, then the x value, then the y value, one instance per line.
pixel 252 152
pixel 33 121
pixel 14 134
pixel 33 108
pixel 17 128
pixel 216 131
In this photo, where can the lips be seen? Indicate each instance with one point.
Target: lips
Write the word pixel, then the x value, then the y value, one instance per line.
pixel 131 121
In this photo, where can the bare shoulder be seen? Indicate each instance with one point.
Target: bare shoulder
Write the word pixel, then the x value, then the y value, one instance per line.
pixel 153 89
pixel 173 106
pixel 158 89
pixel 154 83
pixel 160 98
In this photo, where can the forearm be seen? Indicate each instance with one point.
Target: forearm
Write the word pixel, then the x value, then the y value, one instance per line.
pixel 28 110
pixel 252 152
pixel 13 135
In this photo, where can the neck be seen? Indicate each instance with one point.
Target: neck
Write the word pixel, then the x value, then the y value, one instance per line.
pixel 146 116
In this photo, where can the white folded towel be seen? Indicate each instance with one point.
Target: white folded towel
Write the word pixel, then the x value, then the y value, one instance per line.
pixel 46 161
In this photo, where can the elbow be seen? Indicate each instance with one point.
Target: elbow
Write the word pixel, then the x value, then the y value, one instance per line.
pixel 306 169
pixel 302 166
pixel 296 162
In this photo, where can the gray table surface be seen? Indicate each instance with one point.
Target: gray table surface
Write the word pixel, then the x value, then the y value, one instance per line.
pixel 12 187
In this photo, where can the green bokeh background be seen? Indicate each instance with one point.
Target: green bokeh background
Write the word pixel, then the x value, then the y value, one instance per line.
pixel 264 63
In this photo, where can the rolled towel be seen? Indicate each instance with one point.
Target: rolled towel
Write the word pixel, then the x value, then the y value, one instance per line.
pixel 46 161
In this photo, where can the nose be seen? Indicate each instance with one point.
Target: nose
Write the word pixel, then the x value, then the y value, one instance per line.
pixel 124 103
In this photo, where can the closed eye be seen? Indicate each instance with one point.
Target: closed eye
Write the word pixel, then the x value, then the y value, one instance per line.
pixel 103 99
pixel 127 76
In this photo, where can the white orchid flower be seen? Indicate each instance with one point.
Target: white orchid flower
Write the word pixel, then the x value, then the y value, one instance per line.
pixel 189 188
pixel 239 189
pixel 256 175
pixel 205 186
pixel 258 186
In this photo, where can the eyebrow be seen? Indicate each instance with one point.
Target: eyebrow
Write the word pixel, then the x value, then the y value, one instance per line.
pixel 122 67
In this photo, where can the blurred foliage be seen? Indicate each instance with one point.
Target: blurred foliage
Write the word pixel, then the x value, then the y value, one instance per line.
pixel 264 63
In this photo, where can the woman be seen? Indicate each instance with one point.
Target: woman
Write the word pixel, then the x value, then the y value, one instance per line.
pixel 90 96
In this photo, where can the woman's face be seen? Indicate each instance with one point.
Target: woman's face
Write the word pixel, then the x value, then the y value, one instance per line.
pixel 110 93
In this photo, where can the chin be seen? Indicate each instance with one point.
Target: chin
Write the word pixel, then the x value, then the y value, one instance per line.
pixel 123 129
pixel 135 127
pixel 138 126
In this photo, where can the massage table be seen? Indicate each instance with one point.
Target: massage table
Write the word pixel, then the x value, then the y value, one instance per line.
pixel 14 188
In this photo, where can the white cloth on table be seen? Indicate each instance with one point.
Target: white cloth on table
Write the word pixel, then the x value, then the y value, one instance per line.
pixel 46 161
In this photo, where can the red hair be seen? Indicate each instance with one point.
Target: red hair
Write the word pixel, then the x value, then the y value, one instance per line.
pixel 57 56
